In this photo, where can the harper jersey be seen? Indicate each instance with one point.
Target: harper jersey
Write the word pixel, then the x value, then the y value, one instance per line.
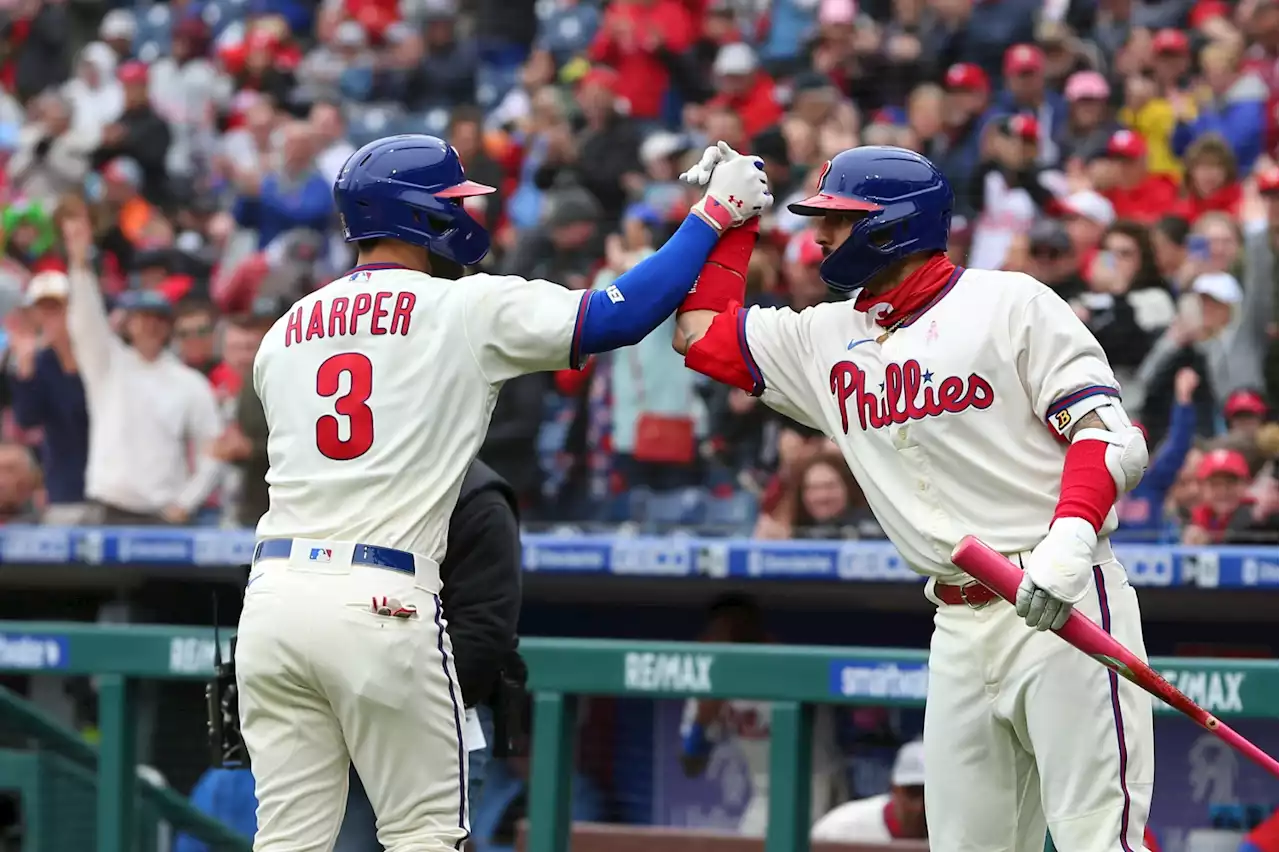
pixel 953 424
pixel 378 389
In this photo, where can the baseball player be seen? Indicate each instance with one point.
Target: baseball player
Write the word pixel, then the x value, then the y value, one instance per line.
pixel 968 401
pixel 377 391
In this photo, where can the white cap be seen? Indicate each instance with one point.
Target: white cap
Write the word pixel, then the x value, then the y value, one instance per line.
pixel 118 23
pixel 659 145
pixel 1091 206
pixel 48 285
pixel 735 58
pixel 1219 286
pixel 908 766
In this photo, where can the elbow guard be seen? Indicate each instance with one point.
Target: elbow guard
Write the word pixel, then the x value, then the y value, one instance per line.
pixel 1101 464
pixel 1126 454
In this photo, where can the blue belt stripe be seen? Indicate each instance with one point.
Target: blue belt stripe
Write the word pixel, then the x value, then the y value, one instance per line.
pixel 363 554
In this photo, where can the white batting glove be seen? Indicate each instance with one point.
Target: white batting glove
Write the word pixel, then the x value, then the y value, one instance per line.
pixel 700 174
pixel 736 191
pixel 1057 574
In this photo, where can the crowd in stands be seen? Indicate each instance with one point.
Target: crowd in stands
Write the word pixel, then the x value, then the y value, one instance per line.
pixel 1121 151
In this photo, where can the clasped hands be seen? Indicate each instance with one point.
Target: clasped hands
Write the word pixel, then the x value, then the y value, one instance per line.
pixel 736 187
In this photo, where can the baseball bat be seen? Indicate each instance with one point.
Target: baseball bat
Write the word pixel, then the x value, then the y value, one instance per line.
pixel 1002 577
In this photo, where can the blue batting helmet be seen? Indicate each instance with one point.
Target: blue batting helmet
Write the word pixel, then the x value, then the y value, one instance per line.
pixel 410 188
pixel 908 205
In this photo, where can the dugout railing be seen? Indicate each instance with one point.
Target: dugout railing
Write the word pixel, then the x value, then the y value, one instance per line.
pixel 793 679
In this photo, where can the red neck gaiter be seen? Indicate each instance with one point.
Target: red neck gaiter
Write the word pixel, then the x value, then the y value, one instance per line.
pixel 914 295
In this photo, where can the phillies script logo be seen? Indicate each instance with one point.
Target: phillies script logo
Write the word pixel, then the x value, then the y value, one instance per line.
pixel 907 393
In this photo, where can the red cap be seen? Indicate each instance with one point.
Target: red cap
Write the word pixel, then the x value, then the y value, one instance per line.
pixel 1223 462
pixel 261 39
pixel 1127 145
pixel 1022 58
pixel 1269 180
pixel 1171 41
pixel 1207 10
pixel 601 76
pixel 968 77
pixel 1244 401
pixel 132 71
pixel 1025 127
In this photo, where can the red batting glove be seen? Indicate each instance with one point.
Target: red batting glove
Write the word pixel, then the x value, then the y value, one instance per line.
pixel 723 279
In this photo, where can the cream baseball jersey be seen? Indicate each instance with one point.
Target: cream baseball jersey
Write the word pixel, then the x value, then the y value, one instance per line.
pixel 948 422
pixel 378 388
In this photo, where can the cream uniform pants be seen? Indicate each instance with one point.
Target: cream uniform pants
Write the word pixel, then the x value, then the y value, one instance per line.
pixel 325 682
pixel 1021 729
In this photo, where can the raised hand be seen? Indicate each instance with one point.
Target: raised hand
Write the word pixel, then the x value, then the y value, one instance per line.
pixel 737 188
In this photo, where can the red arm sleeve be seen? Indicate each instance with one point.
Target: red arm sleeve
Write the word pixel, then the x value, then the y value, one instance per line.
pixel 723 279
pixel 1088 491
pixel 721 352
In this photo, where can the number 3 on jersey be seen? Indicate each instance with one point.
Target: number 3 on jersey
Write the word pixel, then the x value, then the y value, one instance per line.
pixel 352 406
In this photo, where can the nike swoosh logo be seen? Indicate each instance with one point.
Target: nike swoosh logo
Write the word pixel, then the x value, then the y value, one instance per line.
pixel 252 579
pixel 853 343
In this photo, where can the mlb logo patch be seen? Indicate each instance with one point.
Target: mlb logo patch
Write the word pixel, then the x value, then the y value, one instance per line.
pixel 321 554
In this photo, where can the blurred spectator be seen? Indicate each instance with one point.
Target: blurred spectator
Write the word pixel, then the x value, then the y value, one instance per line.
pixel 293 196
pixel 1124 179
pixel 1142 510
pixel 147 411
pixel 19 485
pixel 334 148
pixel 1009 190
pixel 567 249
pixel 52 156
pixel 657 417
pixel 185 90
pixel 824 501
pixel 638 39
pixel 1227 513
pixel 708 725
pixel 95 96
pixel 1087 215
pixel 194 338
pixel 228 796
pixel 47 393
pixel 139 133
pixel 1052 259
pixel 1198 337
pixel 1231 104
pixel 566 31
pixel 1026 93
pixel 744 88
pixel 1255 341
pixel 895 815
pixel 41 43
pixel 957 149
pixel 243 443
pixel 1089 123
pixel 604 158
pixel 1212 182
pixel 1126 304
pixel 447 75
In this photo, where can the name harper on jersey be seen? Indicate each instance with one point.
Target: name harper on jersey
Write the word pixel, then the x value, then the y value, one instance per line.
pixel 907 393
pixel 343 316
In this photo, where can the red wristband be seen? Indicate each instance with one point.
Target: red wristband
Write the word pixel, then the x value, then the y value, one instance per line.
pixel 1088 490
pixel 723 278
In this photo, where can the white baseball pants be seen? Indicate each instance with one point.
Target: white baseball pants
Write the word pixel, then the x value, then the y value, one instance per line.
pixel 325 682
pixel 1021 729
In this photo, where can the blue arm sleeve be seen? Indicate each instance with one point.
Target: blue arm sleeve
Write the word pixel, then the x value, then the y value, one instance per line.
pixel 645 295
pixel 1168 460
